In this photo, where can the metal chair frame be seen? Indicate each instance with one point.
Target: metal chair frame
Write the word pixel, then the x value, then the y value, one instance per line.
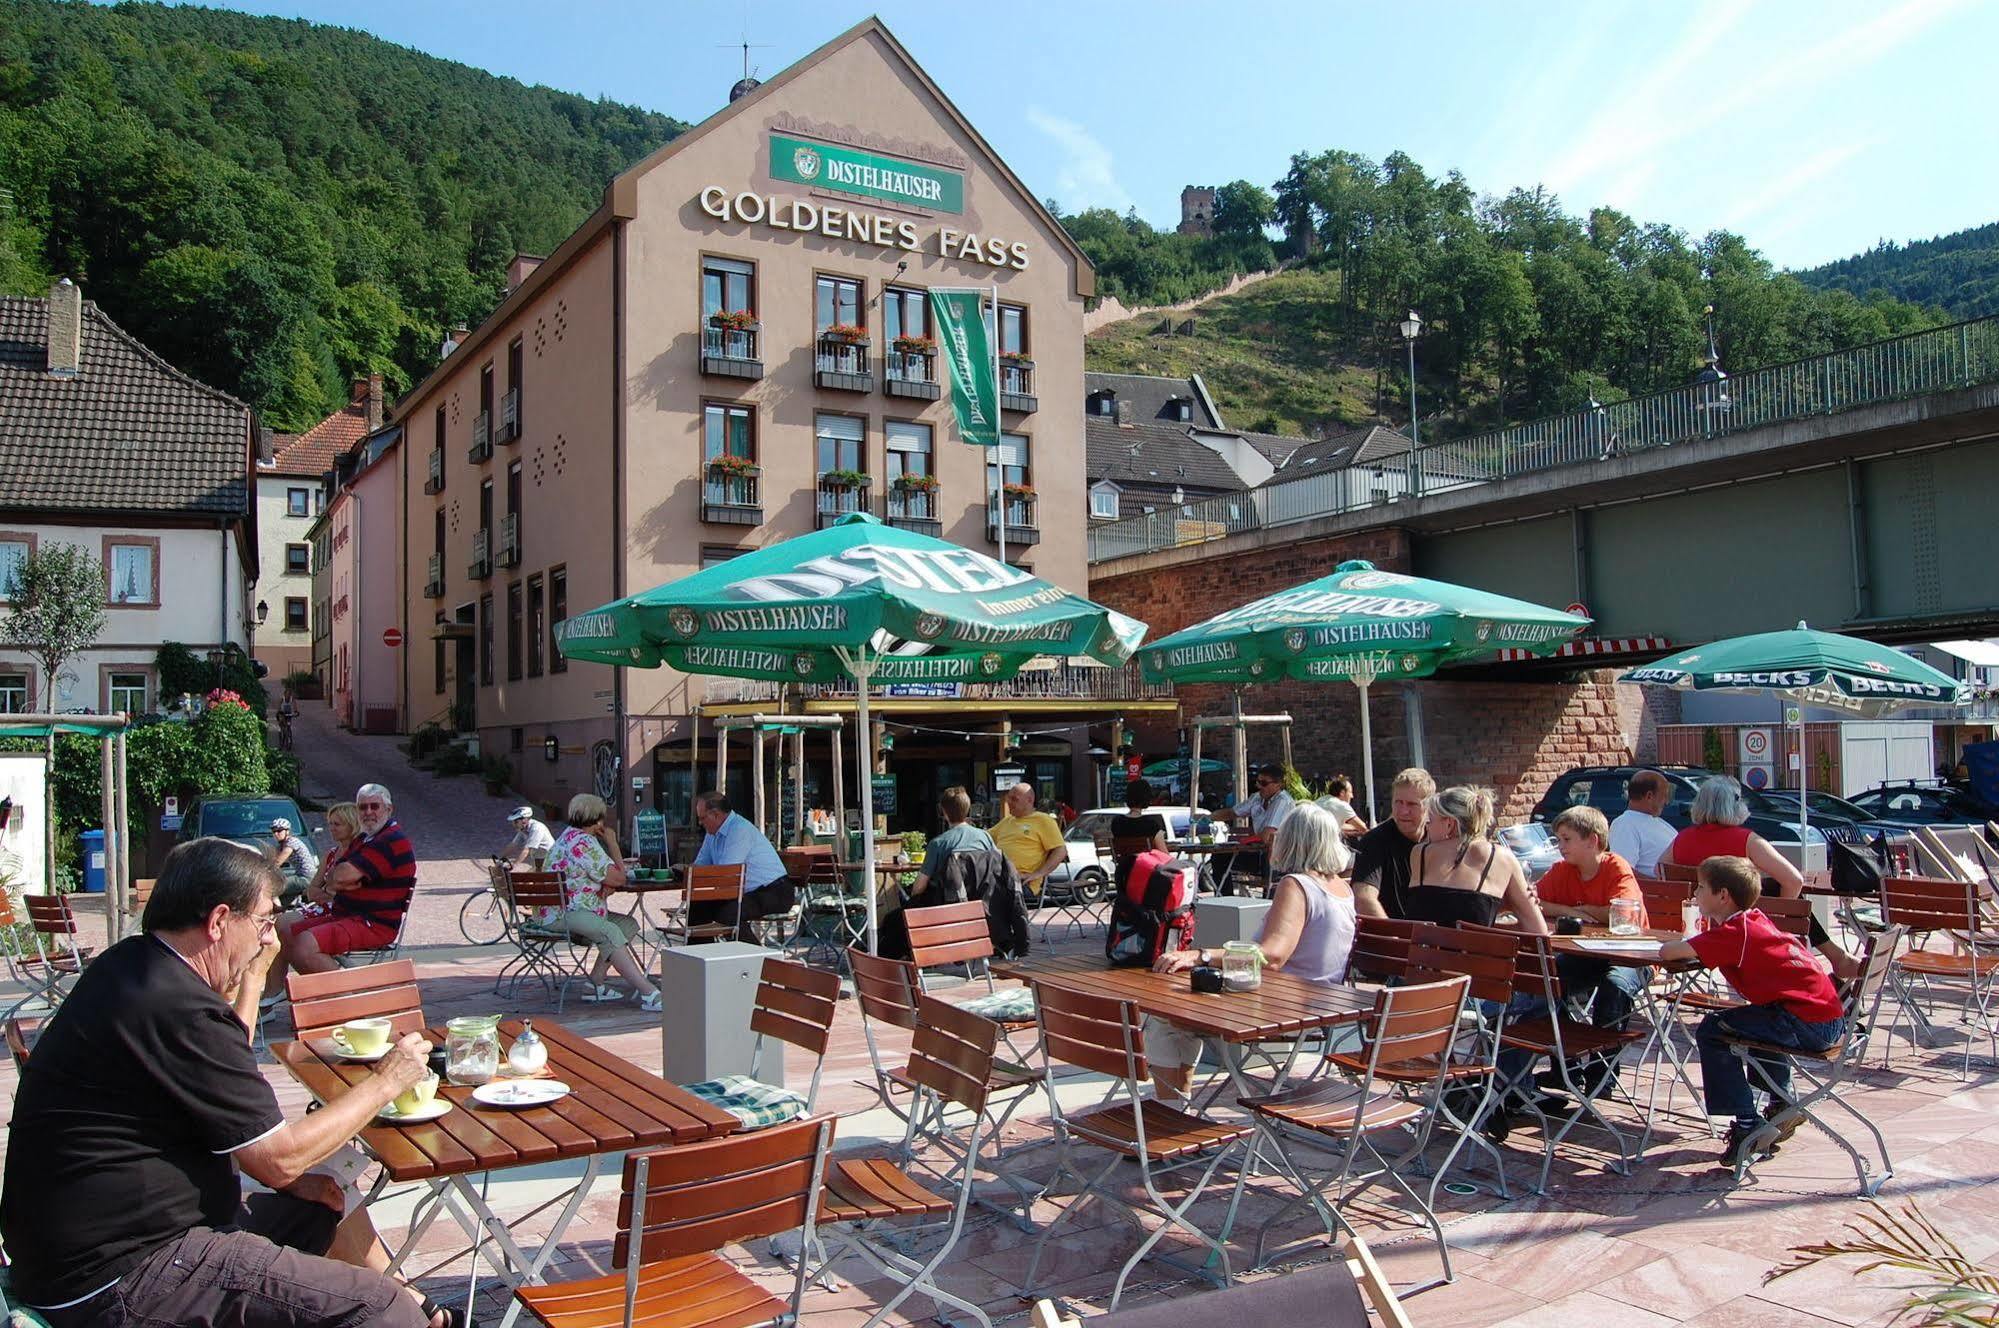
pixel 1925 907
pixel 548 955
pixel 1487 959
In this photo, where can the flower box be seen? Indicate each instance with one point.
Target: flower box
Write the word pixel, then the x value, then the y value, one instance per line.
pixel 916 345
pixel 916 483
pixel 1016 359
pixel 734 320
pixel 844 479
pixel 731 464
pixel 846 332
pixel 1019 490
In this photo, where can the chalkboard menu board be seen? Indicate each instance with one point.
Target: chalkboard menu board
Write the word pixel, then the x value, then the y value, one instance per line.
pixel 649 834
pixel 884 795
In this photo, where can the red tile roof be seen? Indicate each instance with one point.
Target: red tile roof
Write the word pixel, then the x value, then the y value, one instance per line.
pixel 314 451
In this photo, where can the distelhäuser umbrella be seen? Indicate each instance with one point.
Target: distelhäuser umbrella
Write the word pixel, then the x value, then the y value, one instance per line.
pixel 1359 624
pixel 1805 668
pixel 857 600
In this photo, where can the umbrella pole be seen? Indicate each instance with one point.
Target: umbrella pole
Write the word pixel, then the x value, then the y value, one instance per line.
pixel 1804 777
pixel 863 668
pixel 1366 748
pixel 839 793
pixel 1194 772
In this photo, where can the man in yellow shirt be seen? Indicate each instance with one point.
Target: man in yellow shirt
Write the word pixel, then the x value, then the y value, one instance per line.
pixel 1031 840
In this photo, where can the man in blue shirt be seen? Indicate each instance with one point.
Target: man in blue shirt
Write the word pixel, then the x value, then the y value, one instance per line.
pixel 729 839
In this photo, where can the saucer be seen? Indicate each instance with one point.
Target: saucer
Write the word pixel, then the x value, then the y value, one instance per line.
pixel 360 1057
pixel 438 1107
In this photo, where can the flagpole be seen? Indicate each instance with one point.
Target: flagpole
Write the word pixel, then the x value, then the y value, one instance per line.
pixel 999 480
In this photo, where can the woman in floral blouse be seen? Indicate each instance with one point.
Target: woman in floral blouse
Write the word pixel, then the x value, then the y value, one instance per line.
pixel 587 856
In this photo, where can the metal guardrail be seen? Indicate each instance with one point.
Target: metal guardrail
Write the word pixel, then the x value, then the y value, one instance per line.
pixel 1936 360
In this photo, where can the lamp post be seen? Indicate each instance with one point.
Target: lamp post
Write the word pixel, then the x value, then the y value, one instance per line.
pixel 216 657
pixel 1714 403
pixel 263 612
pixel 1412 327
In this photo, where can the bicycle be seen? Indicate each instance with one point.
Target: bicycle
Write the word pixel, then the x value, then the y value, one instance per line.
pixel 482 917
pixel 284 732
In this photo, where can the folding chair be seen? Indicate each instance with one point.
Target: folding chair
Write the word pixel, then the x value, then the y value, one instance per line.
pixel 826 914
pixel 1328 1295
pixel 57 959
pixel 794 1004
pixel 381 953
pixel 719 885
pixel 958 934
pixel 1395 1083
pixel 1925 907
pixel 542 952
pixel 1826 1072
pixel 1663 900
pixel 1486 959
pixel 1073 910
pixel 1673 871
pixel 322 1002
pixel 680 1206
pixel 950 1063
pixel 21 1039
pixel 1380 950
pixel 1102 1036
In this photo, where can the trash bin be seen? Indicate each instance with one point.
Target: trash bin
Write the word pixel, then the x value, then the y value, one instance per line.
pixel 91 849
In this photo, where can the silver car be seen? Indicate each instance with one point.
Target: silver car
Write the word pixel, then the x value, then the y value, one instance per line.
pixel 1087 872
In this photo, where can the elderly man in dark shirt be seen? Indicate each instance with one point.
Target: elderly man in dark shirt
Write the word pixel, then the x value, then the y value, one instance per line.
pixel 142 1102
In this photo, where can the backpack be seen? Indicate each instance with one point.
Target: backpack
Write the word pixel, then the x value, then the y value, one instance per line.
pixel 1857 869
pixel 1154 912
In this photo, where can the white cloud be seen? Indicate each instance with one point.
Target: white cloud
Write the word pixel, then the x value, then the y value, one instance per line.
pixel 1085 177
pixel 1786 188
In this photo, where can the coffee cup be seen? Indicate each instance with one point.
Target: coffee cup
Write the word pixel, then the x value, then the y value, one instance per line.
pixel 363 1037
pixel 417 1096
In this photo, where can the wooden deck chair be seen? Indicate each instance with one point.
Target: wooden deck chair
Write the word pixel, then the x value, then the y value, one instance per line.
pixel 1673 871
pixel 794 1004
pixel 958 934
pixel 1329 1295
pixel 1663 900
pixel 1471 1095
pixel 57 959
pixel 1380 949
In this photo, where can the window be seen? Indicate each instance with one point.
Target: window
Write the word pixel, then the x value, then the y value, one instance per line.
pixel 907 450
pixel 842 441
pixel 714 555
pixel 1103 502
pixel 13 552
pixel 13 693
pixel 127 694
pixel 514 381
pixel 514 632
pixel 838 302
pixel 728 431
pixel 298 559
pixel 905 313
pixel 517 739
pixel 485 640
pixel 133 571
pixel 537 626
pixel 437 660
pixel 1008 463
pixel 1103 404
pixel 440 458
pixel 295 614
pixel 486 390
pixel 298 502
pixel 727 287
pixel 558 609
pixel 486 508
pixel 1012 329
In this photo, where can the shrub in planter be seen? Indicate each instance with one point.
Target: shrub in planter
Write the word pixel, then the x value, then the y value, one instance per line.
pixel 497 771
pixel 454 760
pixel 425 739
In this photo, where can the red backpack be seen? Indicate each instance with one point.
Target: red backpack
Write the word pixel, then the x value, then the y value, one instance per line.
pixel 1154 912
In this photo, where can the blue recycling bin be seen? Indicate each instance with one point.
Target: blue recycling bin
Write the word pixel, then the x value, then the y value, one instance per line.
pixel 91 843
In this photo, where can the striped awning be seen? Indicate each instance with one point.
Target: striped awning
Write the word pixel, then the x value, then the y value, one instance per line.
pixel 1599 645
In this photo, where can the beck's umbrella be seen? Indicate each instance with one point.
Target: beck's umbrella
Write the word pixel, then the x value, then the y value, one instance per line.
pixel 1805 668
pixel 1358 624
pixel 857 600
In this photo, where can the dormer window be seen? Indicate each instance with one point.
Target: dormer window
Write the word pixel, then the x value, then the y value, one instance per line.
pixel 1104 403
pixel 1180 408
pixel 1103 501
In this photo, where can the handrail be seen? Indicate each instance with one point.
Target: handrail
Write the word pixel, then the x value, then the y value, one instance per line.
pixel 1918 363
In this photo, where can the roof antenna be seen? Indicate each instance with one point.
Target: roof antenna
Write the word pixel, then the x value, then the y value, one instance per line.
pixel 748 82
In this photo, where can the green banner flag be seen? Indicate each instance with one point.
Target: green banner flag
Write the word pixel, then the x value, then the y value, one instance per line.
pixel 966 344
pixel 853 171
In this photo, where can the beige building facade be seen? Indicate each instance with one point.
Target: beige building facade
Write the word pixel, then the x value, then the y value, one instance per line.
pixel 734 349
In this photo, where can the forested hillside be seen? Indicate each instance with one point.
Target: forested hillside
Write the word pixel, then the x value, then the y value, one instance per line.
pixel 276 206
pixel 1958 273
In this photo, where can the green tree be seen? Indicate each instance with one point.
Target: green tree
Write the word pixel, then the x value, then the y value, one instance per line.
pixel 56 607
pixel 1242 208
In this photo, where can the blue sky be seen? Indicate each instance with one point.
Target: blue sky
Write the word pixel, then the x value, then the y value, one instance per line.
pixel 1814 129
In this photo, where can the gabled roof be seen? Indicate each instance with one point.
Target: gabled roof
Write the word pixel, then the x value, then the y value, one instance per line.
pixel 1276 448
pixel 1154 455
pixel 128 433
pixel 314 451
pixel 1148 395
pixel 1370 443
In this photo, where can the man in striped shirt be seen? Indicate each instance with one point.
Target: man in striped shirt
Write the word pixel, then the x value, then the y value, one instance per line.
pixel 371 885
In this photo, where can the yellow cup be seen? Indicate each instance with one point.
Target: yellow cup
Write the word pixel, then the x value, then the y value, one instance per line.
pixel 417 1096
pixel 363 1037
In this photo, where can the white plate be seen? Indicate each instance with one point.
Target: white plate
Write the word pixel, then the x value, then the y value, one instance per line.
pixel 438 1106
pixel 1619 944
pixel 520 1092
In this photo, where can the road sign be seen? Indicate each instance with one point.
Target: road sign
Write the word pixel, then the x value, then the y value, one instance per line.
pixel 173 806
pixel 1580 609
pixel 392 637
pixel 1753 748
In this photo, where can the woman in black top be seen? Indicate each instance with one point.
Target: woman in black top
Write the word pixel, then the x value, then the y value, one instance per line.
pixel 1136 823
pixel 1458 874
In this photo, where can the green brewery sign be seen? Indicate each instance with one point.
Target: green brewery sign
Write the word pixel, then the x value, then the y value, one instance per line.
pixel 852 171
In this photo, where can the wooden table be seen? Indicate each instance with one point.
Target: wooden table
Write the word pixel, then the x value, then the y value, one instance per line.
pixel 1227 849
pixel 1662 1015
pixel 615 1106
pixel 651 935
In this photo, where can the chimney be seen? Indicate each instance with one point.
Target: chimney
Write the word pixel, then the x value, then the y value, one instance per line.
pixel 367 394
pixel 65 329
pixel 1124 412
pixel 521 269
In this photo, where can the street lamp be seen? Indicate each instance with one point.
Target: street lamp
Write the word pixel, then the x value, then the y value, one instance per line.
pixel 1712 379
pixel 216 657
pixel 1412 327
pixel 263 612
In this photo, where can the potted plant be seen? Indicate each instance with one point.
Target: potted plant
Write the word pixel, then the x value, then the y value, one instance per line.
pixel 851 333
pixel 913 842
pixel 1018 359
pixel 1024 492
pixel 908 345
pixel 496 771
pixel 844 479
pixel 733 320
pixel 730 464
pixel 908 482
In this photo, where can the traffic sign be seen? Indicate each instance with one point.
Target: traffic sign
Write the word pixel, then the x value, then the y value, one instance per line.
pixel 392 637
pixel 1580 609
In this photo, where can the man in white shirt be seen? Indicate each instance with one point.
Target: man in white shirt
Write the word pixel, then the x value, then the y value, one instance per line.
pixel 1639 834
pixel 1267 810
pixel 531 841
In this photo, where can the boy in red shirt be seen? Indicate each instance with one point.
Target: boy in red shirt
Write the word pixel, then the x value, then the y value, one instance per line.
pixel 1792 1001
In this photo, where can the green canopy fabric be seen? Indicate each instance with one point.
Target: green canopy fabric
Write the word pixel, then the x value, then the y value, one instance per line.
pixel 858 600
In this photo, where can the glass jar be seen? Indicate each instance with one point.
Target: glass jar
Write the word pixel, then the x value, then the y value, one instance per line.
pixel 1242 965
pixel 1627 917
pixel 472 1049
pixel 528 1054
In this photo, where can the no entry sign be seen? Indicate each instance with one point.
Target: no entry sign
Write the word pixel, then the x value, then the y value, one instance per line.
pixel 392 637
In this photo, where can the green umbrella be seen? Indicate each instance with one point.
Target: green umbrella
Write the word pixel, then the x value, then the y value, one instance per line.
pixel 1359 624
pixel 1808 668
pixel 857 600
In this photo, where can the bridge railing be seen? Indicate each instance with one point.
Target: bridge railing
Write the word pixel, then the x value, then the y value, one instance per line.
pixel 1935 360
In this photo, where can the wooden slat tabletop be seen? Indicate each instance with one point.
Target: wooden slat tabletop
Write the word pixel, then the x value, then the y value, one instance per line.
pixel 1284 1004
pixel 1626 959
pixel 615 1106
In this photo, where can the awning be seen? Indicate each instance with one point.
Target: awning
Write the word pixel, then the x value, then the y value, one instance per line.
pixel 1984 653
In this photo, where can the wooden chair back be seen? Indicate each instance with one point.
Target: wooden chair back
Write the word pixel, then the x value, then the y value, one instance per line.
pixel 1416 1023
pixel 885 988
pixel 1381 949
pixel 715 884
pixel 1090 1032
pixel 949 934
pixel 696 1198
pixel 1863 990
pixel 800 861
pixel 322 1002
pixel 1663 900
pixel 21 1037
pixel 50 915
pixel 1920 903
pixel 141 892
pixel 1792 916
pixel 1486 957
pixel 952 1053
pixel 1673 871
pixel 1534 971
pixel 795 1004
pixel 528 891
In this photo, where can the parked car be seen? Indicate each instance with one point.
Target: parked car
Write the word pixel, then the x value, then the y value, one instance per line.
pixel 1925 802
pixel 1602 787
pixel 1087 872
pixel 244 820
pixel 1535 845
pixel 1824 805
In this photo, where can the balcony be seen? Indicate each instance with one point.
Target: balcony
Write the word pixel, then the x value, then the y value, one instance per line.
pixel 840 497
pixel 910 373
pixel 482 438
pixel 510 415
pixel 730 498
pixel 434 481
pixel 482 554
pixel 433 584
pixel 510 540
pixel 913 509
pixel 842 365
pixel 1017 386
pixel 731 352
pixel 1020 528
